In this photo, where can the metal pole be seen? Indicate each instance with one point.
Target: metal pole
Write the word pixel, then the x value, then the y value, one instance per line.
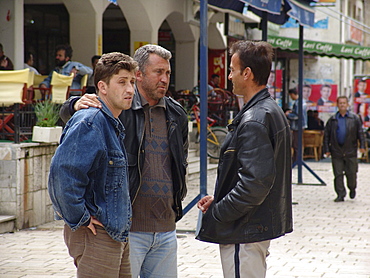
pixel 203 65
pixel 264 26
pixel 300 103
pixel 203 95
pixel 300 162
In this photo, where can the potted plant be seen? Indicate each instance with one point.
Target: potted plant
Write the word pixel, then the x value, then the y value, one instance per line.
pixel 46 129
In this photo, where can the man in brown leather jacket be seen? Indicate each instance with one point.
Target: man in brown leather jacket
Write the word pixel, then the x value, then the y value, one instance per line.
pixel 343 131
pixel 252 200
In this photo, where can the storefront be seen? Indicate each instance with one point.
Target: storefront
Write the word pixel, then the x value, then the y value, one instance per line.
pixel 319 92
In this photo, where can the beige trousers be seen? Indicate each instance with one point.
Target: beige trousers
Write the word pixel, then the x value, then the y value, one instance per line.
pixel 244 260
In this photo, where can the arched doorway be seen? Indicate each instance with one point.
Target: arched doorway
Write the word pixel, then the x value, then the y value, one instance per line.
pixel 45 27
pixel 116 33
pixel 167 40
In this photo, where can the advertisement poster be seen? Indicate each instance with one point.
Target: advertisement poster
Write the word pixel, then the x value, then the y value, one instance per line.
pixel 275 85
pixel 321 97
pixel 361 99
pixel 216 65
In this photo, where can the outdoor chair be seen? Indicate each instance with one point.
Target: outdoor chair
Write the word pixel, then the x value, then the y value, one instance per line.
pixel 217 102
pixel 14 95
pixel 82 90
pixel 312 144
pixel 59 87
pixel 37 91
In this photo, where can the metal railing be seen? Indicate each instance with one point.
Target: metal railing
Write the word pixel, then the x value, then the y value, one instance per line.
pixel 16 122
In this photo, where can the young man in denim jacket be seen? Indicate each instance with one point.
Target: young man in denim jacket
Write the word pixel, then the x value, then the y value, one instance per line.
pixel 158 139
pixel 88 182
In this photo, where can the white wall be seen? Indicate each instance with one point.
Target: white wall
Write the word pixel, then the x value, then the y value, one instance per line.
pixel 11 32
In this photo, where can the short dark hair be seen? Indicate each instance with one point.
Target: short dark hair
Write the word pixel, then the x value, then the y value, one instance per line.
pixel 95 57
pixel 214 75
pixel 325 85
pixel 110 64
pixel 293 91
pixel 27 57
pixel 67 48
pixel 307 86
pixel 257 55
pixel 342 97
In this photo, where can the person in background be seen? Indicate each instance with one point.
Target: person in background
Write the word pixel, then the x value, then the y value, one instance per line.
pixel 252 200
pixel 90 83
pixel 342 136
pixel 214 82
pixel 28 63
pixel 313 121
pixel 64 65
pixel 5 62
pixel 157 139
pixel 88 181
pixel 293 117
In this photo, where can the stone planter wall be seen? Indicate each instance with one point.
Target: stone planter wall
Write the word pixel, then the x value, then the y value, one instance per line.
pixel 24 170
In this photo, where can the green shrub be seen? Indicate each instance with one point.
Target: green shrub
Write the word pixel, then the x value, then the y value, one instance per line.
pixel 47 113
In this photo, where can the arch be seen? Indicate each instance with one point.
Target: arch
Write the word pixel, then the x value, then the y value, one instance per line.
pixel 186 55
pixel 116 32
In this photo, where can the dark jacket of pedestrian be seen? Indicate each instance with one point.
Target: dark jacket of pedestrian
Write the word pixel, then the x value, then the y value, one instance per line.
pixel 354 133
pixel 259 204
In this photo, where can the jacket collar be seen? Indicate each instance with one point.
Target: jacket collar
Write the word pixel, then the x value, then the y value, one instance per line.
pixel 263 94
pixel 114 121
pixel 136 100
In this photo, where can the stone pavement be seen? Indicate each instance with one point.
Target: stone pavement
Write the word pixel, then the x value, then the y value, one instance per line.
pixel 330 240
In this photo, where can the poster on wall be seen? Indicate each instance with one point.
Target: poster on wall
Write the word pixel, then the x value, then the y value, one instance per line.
pixel 321 97
pixel 275 85
pixel 361 99
pixel 216 65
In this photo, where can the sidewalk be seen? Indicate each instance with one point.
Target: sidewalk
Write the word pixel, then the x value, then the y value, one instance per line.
pixel 329 239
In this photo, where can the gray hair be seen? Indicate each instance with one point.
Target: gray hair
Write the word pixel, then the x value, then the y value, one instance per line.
pixel 141 55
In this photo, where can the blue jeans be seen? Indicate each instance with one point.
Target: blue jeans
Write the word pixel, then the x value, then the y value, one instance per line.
pixel 153 255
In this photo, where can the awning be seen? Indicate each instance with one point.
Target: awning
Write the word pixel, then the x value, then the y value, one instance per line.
pixel 280 10
pixel 322 48
pixel 234 5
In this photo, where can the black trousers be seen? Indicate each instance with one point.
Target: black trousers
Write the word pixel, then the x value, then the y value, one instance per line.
pixel 344 167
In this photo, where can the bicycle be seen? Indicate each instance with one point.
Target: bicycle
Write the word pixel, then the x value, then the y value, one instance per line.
pixel 215 135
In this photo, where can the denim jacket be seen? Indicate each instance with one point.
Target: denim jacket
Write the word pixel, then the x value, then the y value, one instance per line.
pixel 66 70
pixel 88 173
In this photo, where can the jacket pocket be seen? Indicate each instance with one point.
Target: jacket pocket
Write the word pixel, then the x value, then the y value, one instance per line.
pixel 117 169
pixel 132 159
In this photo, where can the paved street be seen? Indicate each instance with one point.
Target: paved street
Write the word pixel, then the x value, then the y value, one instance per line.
pixel 329 239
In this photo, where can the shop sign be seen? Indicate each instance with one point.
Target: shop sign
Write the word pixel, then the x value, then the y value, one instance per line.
pixel 321 48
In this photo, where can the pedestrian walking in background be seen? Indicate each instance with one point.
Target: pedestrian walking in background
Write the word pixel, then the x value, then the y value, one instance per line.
pixel 157 146
pixel 293 117
pixel 88 181
pixel 252 202
pixel 342 137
